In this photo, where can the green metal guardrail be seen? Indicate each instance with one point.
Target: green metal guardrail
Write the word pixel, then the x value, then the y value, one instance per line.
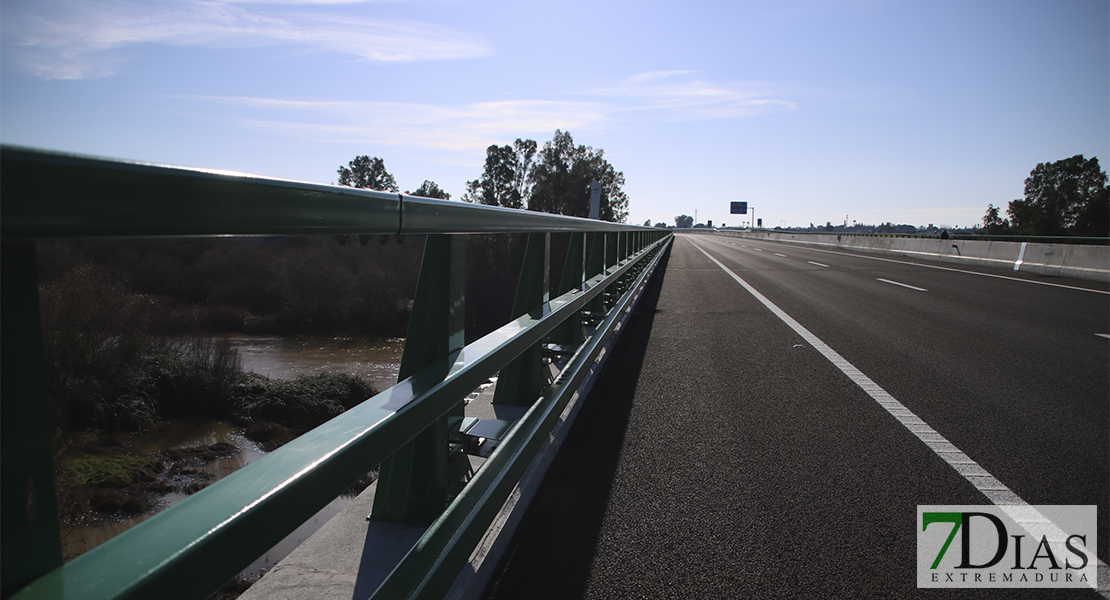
pixel 191 549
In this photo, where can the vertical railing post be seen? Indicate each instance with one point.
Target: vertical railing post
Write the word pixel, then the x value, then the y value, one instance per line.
pixel 30 545
pixel 612 259
pixel 597 260
pixel 415 484
pixel 597 264
pixel 611 246
pixel 522 381
pixel 570 332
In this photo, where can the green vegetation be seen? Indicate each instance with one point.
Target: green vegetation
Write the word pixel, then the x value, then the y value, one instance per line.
pixel 87 470
pixel 554 179
pixel 370 173
pixel 1066 197
pixel 367 173
pixel 505 180
pixel 97 477
pixel 429 189
pixel 300 404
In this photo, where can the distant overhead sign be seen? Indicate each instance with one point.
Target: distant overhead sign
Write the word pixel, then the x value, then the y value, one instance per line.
pixel 739 208
pixel 595 199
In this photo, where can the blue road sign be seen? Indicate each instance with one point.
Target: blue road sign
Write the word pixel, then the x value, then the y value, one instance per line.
pixel 739 208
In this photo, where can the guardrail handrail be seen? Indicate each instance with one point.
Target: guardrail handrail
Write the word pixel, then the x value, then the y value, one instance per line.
pixel 193 547
pixel 50 195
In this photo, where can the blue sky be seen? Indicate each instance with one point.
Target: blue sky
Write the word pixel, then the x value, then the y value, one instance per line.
pixel 810 110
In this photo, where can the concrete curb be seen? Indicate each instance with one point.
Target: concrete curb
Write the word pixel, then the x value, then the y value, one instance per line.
pixel 1054 260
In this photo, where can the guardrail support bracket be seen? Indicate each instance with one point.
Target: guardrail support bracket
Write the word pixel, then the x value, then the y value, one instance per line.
pixel 522 380
pixel 415 483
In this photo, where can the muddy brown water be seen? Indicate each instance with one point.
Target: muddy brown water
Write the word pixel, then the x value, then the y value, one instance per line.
pixel 376 360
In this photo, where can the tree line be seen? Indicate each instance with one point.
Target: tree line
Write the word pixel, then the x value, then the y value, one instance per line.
pixel 1062 198
pixel 554 178
pixel 370 173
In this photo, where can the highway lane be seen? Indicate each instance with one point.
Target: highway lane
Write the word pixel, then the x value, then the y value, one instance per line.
pixel 1010 371
pixel 721 455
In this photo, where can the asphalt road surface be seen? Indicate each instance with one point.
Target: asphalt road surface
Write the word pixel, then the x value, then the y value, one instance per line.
pixel 727 451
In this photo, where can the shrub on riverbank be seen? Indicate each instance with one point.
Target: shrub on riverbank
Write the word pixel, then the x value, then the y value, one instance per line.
pixel 200 377
pixel 300 404
pixel 153 380
pixel 106 371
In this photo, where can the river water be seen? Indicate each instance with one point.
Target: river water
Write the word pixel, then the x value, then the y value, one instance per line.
pixel 375 359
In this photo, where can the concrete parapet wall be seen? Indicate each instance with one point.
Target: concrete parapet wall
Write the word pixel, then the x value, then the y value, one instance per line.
pixel 1060 260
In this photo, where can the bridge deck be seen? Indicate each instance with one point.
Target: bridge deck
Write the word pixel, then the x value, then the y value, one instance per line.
pixel 722 455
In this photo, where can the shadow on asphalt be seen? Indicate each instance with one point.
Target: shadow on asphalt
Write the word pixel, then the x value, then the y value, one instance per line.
pixel 552 551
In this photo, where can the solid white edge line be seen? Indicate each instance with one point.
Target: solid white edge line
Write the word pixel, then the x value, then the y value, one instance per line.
pixel 1105 335
pixel 995 491
pixel 901 284
pixel 817 263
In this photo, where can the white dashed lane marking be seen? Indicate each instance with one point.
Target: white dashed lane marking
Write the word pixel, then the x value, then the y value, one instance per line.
pixel 817 263
pixel 938 267
pixel 905 285
pixel 973 472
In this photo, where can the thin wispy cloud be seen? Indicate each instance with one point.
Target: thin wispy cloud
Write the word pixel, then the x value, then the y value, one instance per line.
pixel 683 95
pixel 470 128
pixel 467 128
pixel 317 2
pixel 83 39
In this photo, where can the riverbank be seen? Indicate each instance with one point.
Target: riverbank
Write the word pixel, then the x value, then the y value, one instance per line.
pixel 110 470
pixel 108 483
pixel 202 417
pixel 104 479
